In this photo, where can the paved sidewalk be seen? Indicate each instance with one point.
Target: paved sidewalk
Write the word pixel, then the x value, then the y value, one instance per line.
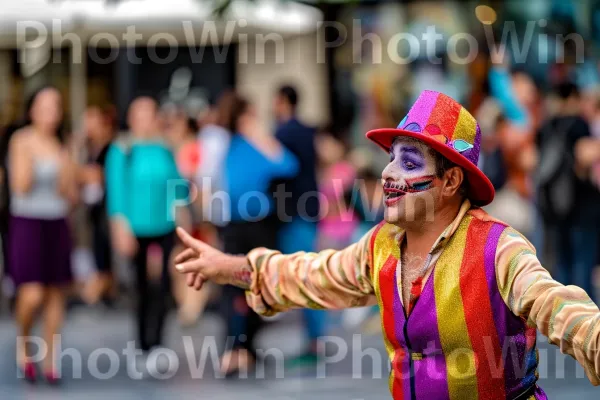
pixel 90 330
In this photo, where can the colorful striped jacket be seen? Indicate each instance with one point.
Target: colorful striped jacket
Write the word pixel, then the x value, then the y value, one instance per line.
pixel 472 332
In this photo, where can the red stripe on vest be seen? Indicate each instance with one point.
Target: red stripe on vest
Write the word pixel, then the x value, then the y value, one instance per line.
pixel 388 290
pixel 479 315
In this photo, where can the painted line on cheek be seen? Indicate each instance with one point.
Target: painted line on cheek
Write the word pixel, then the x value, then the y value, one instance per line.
pixel 421 183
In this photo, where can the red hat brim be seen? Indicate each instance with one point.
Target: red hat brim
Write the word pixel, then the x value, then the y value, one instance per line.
pixel 480 191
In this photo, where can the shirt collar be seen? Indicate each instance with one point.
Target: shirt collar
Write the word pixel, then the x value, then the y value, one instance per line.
pixel 443 239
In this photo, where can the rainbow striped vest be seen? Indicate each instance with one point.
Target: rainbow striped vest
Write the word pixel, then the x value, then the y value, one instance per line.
pixel 460 341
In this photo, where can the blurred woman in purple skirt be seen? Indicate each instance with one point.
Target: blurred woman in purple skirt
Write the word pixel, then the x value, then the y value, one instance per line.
pixel 43 188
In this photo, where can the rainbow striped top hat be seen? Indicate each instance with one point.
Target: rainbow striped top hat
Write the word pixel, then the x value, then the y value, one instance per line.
pixel 447 127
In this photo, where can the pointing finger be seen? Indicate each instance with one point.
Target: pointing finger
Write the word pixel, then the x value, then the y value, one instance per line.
pixel 188 240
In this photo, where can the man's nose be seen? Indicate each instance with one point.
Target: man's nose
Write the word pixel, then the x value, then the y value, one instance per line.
pixel 390 173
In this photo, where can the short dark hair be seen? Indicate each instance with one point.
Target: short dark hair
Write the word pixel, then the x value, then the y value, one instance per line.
pixel 566 90
pixel 290 94
pixel 230 108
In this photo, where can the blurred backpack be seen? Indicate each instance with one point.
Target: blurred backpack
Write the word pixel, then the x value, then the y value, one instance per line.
pixel 555 178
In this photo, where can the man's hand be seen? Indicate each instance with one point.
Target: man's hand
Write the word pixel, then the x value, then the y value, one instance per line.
pixel 201 262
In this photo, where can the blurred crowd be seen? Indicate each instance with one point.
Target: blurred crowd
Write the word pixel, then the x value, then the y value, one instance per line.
pixel 173 164
pixel 170 168
pixel 541 151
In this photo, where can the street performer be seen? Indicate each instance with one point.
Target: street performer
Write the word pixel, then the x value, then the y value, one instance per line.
pixel 461 294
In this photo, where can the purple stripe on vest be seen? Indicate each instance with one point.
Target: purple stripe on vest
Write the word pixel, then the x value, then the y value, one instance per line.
pixel 498 305
pixel 511 329
pixel 421 114
pixel 406 380
pixel 516 370
pixel 431 373
pixel 398 310
pixel 540 394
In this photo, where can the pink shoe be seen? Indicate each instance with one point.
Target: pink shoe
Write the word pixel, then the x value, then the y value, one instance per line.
pixel 52 378
pixel 29 372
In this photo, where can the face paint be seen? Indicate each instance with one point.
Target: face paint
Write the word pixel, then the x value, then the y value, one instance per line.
pixel 411 170
pixel 394 192
pixel 421 183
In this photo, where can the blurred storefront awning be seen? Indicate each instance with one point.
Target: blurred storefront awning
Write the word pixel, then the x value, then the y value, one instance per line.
pixel 178 18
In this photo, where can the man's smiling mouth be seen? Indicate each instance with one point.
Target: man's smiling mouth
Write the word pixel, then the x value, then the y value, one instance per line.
pixel 394 192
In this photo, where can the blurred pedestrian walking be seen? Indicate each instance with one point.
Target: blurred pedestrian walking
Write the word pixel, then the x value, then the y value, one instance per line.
pixel 568 199
pixel 181 132
pixel 139 167
pixel 299 231
pixel 43 188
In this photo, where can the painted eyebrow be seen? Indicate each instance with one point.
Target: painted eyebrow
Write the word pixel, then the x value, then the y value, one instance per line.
pixel 411 150
pixel 414 157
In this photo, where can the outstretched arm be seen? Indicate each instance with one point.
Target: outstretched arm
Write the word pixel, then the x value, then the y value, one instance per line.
pixel 276 282
pixel 565 314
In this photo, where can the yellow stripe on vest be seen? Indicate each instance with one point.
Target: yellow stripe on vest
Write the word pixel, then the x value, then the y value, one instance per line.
pixel 454 336
pixel 384 246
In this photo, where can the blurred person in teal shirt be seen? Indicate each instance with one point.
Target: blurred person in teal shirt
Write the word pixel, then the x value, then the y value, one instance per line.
pixel 139 167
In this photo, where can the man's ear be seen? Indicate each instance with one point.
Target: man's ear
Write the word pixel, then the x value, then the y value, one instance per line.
pixel 454 178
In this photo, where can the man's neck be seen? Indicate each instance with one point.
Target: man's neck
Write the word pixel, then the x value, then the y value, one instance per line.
pixel 420 238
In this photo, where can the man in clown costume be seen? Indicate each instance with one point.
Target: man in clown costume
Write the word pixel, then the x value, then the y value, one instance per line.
pixel 461 295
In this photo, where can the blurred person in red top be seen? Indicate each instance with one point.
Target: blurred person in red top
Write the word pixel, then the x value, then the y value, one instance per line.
pixel 181 129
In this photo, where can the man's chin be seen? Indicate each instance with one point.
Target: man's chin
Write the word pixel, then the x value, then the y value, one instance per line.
pixel 392 214
pixel 419 207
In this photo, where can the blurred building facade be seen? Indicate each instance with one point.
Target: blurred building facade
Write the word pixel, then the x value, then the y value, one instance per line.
pixel 348 83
